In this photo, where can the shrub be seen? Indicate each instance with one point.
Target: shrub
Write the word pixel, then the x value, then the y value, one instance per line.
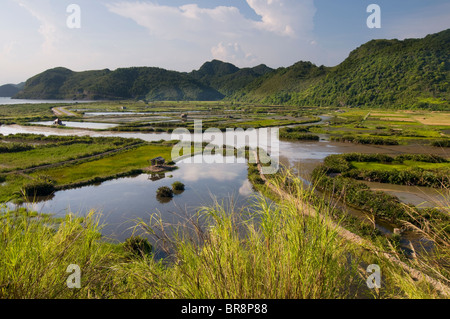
pixel 428 158
pixel 138 246
pixel 178 186
pixel 336 164
pixel 441 143
pixel 42 186
pixel 164 192
pixel 14 147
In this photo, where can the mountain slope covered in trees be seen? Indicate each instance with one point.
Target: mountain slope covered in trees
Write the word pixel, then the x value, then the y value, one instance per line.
pixel 125 83
pixel 380 73
pixel 413 73
pixel 9 90
pixel 227 78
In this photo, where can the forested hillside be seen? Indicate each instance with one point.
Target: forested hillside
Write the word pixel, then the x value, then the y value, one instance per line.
pixel 413 73
pixel 126 83
pixel 381 73
pixel 227 78
pixel 9 90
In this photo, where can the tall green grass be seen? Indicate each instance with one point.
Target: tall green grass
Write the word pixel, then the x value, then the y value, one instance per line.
pixel 266 250
pixel 36 251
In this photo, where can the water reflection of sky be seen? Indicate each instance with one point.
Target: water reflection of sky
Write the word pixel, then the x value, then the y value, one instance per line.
pixel 125 199
pixel 88 125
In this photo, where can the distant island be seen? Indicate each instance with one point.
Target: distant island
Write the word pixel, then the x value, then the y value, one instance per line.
pixel 9 90
pixel 413 73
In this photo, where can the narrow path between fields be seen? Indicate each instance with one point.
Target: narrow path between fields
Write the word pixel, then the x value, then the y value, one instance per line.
pixel 306 209
pixel 61 111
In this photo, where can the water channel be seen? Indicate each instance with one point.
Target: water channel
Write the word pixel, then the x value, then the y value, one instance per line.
pixel 135 197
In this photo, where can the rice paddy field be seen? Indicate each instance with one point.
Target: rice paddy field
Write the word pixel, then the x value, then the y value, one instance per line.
pixel 268 249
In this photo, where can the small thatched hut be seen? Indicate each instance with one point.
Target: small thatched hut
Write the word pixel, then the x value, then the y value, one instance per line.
pixel 158 161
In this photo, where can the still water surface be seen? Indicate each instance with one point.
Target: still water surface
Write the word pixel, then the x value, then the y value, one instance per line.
pixel 10 101
pixel 124 199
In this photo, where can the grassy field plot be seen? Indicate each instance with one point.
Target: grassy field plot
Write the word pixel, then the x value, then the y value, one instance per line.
pixel 49 155
pixel 400 166
pixel 116 164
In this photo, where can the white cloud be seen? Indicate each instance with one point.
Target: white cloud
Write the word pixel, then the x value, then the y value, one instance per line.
pixel 246 189
pixel 187 22
pixel 225 32
pixel 47 28
pixel 284 17
pixel 179 38
pixel 291 18
pixel 232 52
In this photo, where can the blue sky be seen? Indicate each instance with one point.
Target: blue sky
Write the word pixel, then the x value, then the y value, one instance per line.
pixel 181 34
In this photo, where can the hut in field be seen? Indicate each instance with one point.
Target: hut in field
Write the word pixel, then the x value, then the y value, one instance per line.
pixel 58 122
pixel 158 161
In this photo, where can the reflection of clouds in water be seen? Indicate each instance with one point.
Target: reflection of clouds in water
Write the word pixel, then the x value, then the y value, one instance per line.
pixel 197 172
pixel 194 171
pixel 246 188
pixel 305 152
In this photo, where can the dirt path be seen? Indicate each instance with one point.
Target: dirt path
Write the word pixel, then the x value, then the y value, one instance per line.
pixel 61 111
pixel 306 209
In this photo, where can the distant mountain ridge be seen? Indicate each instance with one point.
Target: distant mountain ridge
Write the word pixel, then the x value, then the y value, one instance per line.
pixel 125 83
pixel 379 73
pixel 9 90
pixel 226 77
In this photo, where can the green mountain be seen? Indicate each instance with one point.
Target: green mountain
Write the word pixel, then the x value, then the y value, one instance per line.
pixel 9 90
pixel 125 83
pixel 227 78
pixel 413 73
pixel 213 81
pixel 380 73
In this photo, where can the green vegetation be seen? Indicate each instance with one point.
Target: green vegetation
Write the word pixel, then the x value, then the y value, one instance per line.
pixel 378 203
pixel 297 133
pixel 129 161
pixel 442 143
pixel 127 83
pixel 364 140
pixel 38 150
pixel 386 127
pixel 53 165
pixel 227 78
pixel 138 246
pixel 178 186
pixel 14 147
pixel 405 169
pixel 9 90
pixel 36 251
pixel 164 192
pixel 41 186
pixel 26 112
pixel 265 251
pixel 413 73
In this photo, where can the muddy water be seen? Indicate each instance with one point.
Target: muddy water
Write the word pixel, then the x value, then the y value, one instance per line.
pixel 86 125
pixel 418 196
pixel 305 156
